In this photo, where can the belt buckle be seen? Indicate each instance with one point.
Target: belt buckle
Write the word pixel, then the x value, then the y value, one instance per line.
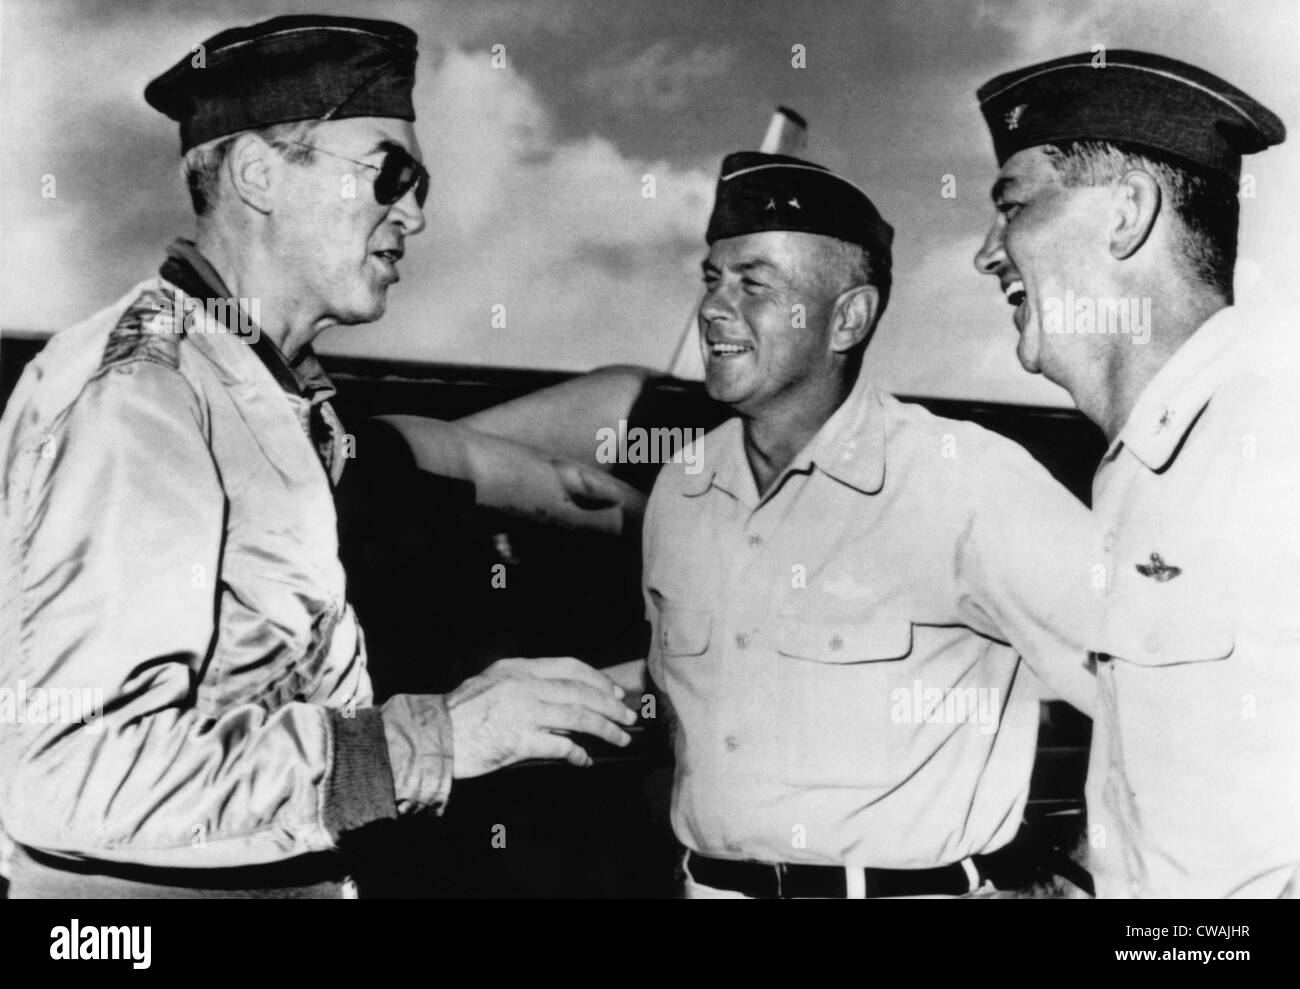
pixel 863 891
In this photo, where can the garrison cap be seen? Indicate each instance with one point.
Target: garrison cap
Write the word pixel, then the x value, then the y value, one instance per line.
pixel 1134 98
pixel 301 67
pixel 758 192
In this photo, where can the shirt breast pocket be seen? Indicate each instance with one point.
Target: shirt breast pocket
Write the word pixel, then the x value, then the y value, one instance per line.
pixel 1150 623
pixel 684 631
pixel 874 640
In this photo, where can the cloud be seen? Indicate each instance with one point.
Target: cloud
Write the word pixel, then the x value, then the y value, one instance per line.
pixel 590 268
pixel 1033 27
pixel 555 229
pixel 539 167
pixel 659 78
pixel 956 339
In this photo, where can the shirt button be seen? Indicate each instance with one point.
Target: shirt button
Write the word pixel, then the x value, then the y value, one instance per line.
pixel 836 643
pixel 1110 540
pixel 1152 643
pixel 756 541
pixel 731 743
pixel 742 640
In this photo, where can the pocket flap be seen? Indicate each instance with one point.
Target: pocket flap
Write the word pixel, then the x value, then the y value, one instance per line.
pixel 845 642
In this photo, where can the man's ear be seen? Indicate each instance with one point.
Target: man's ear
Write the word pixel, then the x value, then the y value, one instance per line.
pixel 252 167
pixel 1137 204
pixel 853 317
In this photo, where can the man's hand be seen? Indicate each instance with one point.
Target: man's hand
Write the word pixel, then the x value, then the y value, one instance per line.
pixel 631 677
pixel 520 709
pixel 590 488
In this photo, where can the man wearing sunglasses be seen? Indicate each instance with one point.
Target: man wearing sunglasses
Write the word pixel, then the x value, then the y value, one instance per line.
pixel 170 546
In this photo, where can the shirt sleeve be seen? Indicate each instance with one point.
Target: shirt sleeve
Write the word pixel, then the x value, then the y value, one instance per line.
pixel 1262 526
pixel 665 719
pixel 1262 570
pixel 1027 563
pixel 649 533
pixel 121 540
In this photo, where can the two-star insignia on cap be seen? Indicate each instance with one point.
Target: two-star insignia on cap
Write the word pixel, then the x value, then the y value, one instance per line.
pixel 771 204
pixel 1014 114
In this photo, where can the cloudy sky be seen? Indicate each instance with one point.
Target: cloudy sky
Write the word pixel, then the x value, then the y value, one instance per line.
pixel 538 165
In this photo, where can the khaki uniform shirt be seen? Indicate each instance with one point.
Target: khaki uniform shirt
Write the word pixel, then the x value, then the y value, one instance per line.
pixel 1194 782
pixel 840 655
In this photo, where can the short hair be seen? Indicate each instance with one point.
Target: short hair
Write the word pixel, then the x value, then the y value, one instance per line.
pixel 1205 205
pixel 201 166
pixel 842 266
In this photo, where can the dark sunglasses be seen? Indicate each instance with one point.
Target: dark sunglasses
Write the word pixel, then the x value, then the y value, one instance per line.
pixel 398 174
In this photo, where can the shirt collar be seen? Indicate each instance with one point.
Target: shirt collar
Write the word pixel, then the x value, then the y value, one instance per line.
pixel 723 452
pixel 1180 390
pixel 190 271
pixel 850 447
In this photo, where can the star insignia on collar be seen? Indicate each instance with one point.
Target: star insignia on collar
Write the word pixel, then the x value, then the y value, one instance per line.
pixel 1014 114
pixel 1166 417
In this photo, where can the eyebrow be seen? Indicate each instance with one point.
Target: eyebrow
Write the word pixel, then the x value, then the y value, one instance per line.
pixel 386 145
pixel 745 265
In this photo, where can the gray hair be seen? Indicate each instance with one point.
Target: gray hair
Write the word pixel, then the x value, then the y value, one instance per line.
pixel 201 166
pixel 842 266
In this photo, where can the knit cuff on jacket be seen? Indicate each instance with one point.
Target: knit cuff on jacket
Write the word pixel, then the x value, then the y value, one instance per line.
pixel 360 787
pixel 418 728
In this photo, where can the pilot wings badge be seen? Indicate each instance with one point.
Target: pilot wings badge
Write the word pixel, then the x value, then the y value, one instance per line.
pixel 1158 569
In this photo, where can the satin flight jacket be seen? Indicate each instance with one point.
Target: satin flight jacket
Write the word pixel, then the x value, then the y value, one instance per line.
pixel 185 681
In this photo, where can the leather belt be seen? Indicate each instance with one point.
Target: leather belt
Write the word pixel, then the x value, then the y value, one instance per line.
pixel 288 878
pixel 785 881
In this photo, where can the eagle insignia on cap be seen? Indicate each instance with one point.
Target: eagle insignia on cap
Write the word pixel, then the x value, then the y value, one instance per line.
pixel 1014 115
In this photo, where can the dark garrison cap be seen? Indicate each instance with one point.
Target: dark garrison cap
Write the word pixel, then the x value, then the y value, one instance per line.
pixel 303 67
pixel 758 192
pixel 1136 98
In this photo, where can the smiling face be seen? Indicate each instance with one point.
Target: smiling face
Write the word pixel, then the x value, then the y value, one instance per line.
pixel 339 246
pixel 1046 239
pixel 760 350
